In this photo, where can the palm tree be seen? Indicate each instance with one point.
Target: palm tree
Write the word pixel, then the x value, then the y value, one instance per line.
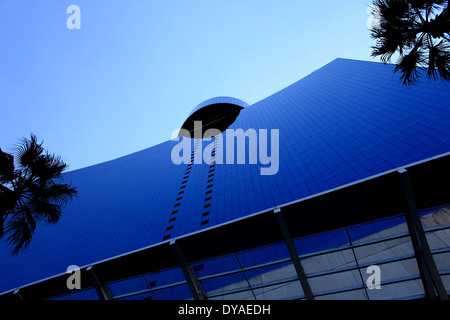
pixel 418 30
pixel 30 193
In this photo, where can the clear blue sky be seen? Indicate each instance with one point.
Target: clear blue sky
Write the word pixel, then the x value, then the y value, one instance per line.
pixel 136 68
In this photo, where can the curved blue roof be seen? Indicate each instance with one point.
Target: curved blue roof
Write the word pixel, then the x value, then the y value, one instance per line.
pixel 344 122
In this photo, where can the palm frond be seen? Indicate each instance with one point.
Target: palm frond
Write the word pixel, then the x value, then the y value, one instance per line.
pixel 429 5
pixel 443 66
pixel 29 151
pixel 408 65
pixel 438 61
pixel 44 211
pixel 61 194
pixel 392 10
pixel 47 167
pixel 53 192
pixel 7 203
pixel 438 26
pixel 390 40
pixel 20 228
pixel 47 200
pixel 6 167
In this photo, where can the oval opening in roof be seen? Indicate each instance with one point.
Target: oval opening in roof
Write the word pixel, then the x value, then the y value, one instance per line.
pixel 216 113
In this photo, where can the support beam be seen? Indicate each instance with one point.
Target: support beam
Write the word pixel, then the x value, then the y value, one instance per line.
pixel 294 255
pixel 102 291
pixel 432 282
pixel 189 274
pixel 18 295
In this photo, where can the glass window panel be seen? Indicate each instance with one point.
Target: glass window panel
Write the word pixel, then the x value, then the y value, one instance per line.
pixel 439 239
pixel 335 281
pixel 446 281
pixel 165 277
pixel 348 295
pixel 180 292
pixel 244 295
pixel 399 290
pixel 272 273
pixel 219 265
pixel 378 229
pixel 285 291
pixel 262 255
pixel 142 296
pixel 128 286
pixel 224 283
pixel 442 261
pixel 328 261
pixel 435 218
pixel 321 242
pixel 384 250
pixel 86 294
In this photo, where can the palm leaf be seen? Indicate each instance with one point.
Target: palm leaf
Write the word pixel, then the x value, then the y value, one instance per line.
pixel 29 151
pixel 408 66
pixel 20 228
pixel 46 211
pixel 438 61
pixel 47 167
pixel 7 203
pixel 6 167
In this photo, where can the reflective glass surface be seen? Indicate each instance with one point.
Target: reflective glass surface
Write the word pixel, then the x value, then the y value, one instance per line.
pixel 336 268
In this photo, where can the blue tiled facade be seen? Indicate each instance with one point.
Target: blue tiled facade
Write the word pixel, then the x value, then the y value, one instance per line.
pixel 344 122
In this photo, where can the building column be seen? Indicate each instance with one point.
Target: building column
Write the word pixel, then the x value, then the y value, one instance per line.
pixel 432 282
pixel 294 255
pixel 102 291
pixel 189 274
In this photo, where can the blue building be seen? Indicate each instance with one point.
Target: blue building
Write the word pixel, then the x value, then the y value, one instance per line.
pixel 359 180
